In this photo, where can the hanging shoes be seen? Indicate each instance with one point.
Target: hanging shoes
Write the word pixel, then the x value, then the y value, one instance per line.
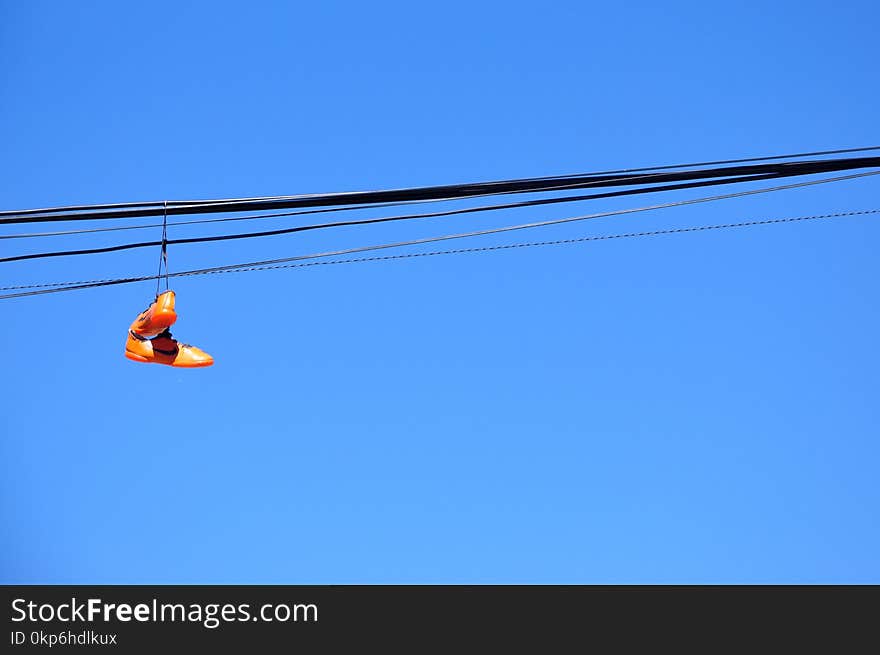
pixel 150 342
pixel 164 349
pixel 159 316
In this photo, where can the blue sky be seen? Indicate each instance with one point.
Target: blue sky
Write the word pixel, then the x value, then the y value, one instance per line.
pixel 697 408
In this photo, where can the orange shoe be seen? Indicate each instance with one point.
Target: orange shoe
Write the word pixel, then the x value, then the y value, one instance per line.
pixel 157 317
pixel 163 349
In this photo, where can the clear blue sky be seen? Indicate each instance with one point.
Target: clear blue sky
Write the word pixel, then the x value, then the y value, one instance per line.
pixel 697 408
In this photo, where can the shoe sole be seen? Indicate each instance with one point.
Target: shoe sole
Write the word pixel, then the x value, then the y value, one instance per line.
pixel 162 319
pixel 144 360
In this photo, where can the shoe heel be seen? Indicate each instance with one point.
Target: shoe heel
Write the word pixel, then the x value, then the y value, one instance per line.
pixel 136 358
pixel 164 318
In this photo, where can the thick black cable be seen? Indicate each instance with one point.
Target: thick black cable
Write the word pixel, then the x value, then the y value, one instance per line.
pixel 740 161
pixel 96 207
pixel 457 191
pixel 123 228
pixel 561 187
pixel 382 219
pixel 230 267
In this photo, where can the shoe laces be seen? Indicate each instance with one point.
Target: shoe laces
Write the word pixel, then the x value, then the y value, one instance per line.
pixel 167 333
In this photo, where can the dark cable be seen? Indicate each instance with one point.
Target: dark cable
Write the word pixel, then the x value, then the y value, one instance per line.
pixel 458 191
pixel 383 219
pixel 127 205
pixel 248 265
pixel 557 221
pixel 411 255
pixel 562 187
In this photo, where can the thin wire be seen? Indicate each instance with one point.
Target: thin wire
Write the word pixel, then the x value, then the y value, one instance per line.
pixel 163 253
pixel 73 208
pixel 558 221
pixel 741 161
pixel 480 249
pixel 529 244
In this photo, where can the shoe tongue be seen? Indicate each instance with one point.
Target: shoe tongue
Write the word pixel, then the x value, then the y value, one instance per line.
pixel 164 339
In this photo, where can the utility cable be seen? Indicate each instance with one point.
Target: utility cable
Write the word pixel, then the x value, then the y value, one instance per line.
pixel 412 255
pixel 561 187
pixel 456 191
pixel 95 283
pixel 383 219
pixel 159 204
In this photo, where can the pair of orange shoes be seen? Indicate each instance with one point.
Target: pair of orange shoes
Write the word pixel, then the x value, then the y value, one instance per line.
pixel 149 340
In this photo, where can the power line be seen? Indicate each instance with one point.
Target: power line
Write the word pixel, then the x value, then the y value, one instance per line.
pixel 385 219
pixel 175 203
pixel 450 192
pixel 69 286
pixel 412 255
pixel 555 242
pixel 562 187
pixel 558 221
pixel 746 160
